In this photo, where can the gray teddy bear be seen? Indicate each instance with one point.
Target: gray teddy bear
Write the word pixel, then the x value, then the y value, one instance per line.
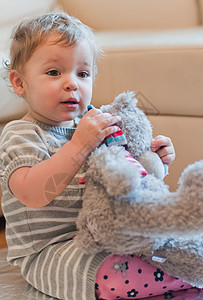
pixel 125 212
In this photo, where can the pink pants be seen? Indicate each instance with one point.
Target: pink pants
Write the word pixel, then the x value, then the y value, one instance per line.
pixel 129 277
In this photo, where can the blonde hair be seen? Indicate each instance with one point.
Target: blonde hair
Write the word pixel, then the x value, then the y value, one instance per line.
pixel 33 31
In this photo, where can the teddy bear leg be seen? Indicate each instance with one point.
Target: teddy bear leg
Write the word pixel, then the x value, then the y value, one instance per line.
pixel 157 212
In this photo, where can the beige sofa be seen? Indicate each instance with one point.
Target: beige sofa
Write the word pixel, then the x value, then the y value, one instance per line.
pixel 152 47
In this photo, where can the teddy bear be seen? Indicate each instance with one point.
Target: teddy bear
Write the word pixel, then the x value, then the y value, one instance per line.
pixel 127 211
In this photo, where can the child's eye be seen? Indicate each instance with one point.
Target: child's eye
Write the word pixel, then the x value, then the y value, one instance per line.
pixel 83 74
pixel 53 73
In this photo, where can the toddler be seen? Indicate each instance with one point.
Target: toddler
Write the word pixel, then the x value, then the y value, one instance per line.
pixel 53 66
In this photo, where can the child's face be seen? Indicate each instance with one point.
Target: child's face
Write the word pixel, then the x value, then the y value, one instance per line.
pixel 57 81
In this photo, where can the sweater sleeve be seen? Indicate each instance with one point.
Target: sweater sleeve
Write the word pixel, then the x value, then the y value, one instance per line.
pixel 21 145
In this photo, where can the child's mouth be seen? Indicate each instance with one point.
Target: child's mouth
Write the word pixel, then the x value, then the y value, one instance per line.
pixel 72 103
pixel 69 102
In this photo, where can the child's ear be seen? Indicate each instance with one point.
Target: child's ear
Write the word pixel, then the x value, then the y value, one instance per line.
pixel 16 82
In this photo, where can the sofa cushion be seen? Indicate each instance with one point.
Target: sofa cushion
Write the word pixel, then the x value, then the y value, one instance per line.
pixel 163 67
pixel 134 14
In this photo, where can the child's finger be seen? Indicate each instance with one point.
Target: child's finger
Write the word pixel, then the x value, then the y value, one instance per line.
pixel 99 116
pixel 102 120
pixel 108 121
pixel 110 130
pixel 163 146
pixel 168 159
pixel 160 141
pixel 93 112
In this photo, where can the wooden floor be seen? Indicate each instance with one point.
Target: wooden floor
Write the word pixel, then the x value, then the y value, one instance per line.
pixel 2 234
pixel 2 240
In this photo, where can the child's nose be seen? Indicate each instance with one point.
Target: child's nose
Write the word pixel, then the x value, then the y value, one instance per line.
pixel 71 83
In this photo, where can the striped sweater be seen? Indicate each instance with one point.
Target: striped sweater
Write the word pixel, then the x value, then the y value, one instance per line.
pixel 31 230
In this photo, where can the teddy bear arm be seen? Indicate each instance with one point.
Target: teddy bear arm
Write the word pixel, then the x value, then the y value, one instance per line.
pixel 109 167
pixel 153 164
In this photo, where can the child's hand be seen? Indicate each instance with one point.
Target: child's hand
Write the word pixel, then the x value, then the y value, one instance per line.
pixel 93 128
pixel 163 146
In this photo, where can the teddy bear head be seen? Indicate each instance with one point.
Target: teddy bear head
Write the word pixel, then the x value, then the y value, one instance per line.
pixel 134 124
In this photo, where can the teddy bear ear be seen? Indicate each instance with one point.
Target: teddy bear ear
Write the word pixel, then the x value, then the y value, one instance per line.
pixel 125 99
pixel 121 102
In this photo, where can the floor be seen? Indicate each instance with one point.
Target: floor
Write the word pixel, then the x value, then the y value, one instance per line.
pixel 2 235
